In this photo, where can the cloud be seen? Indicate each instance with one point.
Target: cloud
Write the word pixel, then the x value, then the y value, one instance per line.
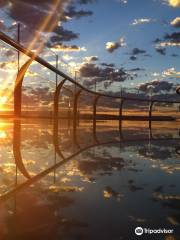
pixel 176 22
pixel 93 73
pixel 137 51
pixel 161 51
pixel 174 3
pixel 90 70
pixel 112 46
pixel 136 69
pixel 66 48
pixel 171 72
pixel 168 44
pixel 156 86
pixel 173 37
pixel 63 35
pixel 174 55
pixel 108 64
pixel 91 59
pixel 123 1
pixel 71 12
pixel 169 40
pixel 67 57
pixel 141 21
pixel 32 13
pixel 133 58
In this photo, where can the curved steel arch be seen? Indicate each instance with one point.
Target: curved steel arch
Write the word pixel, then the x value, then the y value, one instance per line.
pixel 18 87
pixel 56 98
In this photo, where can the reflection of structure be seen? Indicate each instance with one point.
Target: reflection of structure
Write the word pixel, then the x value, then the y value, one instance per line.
pixel 63 159
pixel 17 148
pixel 79 88
pixel 178 90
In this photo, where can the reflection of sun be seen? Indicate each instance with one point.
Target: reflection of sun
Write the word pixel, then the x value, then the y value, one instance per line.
pixel 3 135
pixel 3 100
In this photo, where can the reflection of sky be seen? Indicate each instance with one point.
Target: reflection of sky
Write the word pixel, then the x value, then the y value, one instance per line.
pixel 119 180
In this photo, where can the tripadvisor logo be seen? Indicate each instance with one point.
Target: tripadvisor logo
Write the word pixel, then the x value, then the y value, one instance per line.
pixel 139 231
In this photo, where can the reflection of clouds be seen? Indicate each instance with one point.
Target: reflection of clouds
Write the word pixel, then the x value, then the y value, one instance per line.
pixel 159 196
pixel 101 164
pixel 110 192
pixel 173 221
pixel 55 188
pixel 137 219
pixel 160 157
pixel 171 202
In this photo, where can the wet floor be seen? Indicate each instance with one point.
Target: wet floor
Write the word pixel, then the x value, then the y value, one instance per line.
pixel 57 183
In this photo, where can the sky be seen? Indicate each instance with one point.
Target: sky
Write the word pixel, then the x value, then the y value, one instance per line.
pixel 129 44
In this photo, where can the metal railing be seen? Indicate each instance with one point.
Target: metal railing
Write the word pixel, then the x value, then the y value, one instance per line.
pixel 81 88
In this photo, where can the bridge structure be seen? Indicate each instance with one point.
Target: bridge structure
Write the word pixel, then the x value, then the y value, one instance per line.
pixel 79 89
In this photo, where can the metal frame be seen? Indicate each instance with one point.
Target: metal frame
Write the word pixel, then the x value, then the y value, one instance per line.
pixel 18 88
pixel 35 57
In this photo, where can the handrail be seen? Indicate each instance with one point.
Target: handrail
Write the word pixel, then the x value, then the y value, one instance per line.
pixel 40 60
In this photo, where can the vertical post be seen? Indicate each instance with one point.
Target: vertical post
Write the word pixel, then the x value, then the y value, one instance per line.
pixel 69 112
pixel 18 40
pixel 150 113
pixel 120 112
pixel 94 114
pixel 75 78
pixel 95 85
pixel 75 108
pixel 57 60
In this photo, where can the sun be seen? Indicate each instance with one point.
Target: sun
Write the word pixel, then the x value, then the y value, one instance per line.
pixel 3 100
